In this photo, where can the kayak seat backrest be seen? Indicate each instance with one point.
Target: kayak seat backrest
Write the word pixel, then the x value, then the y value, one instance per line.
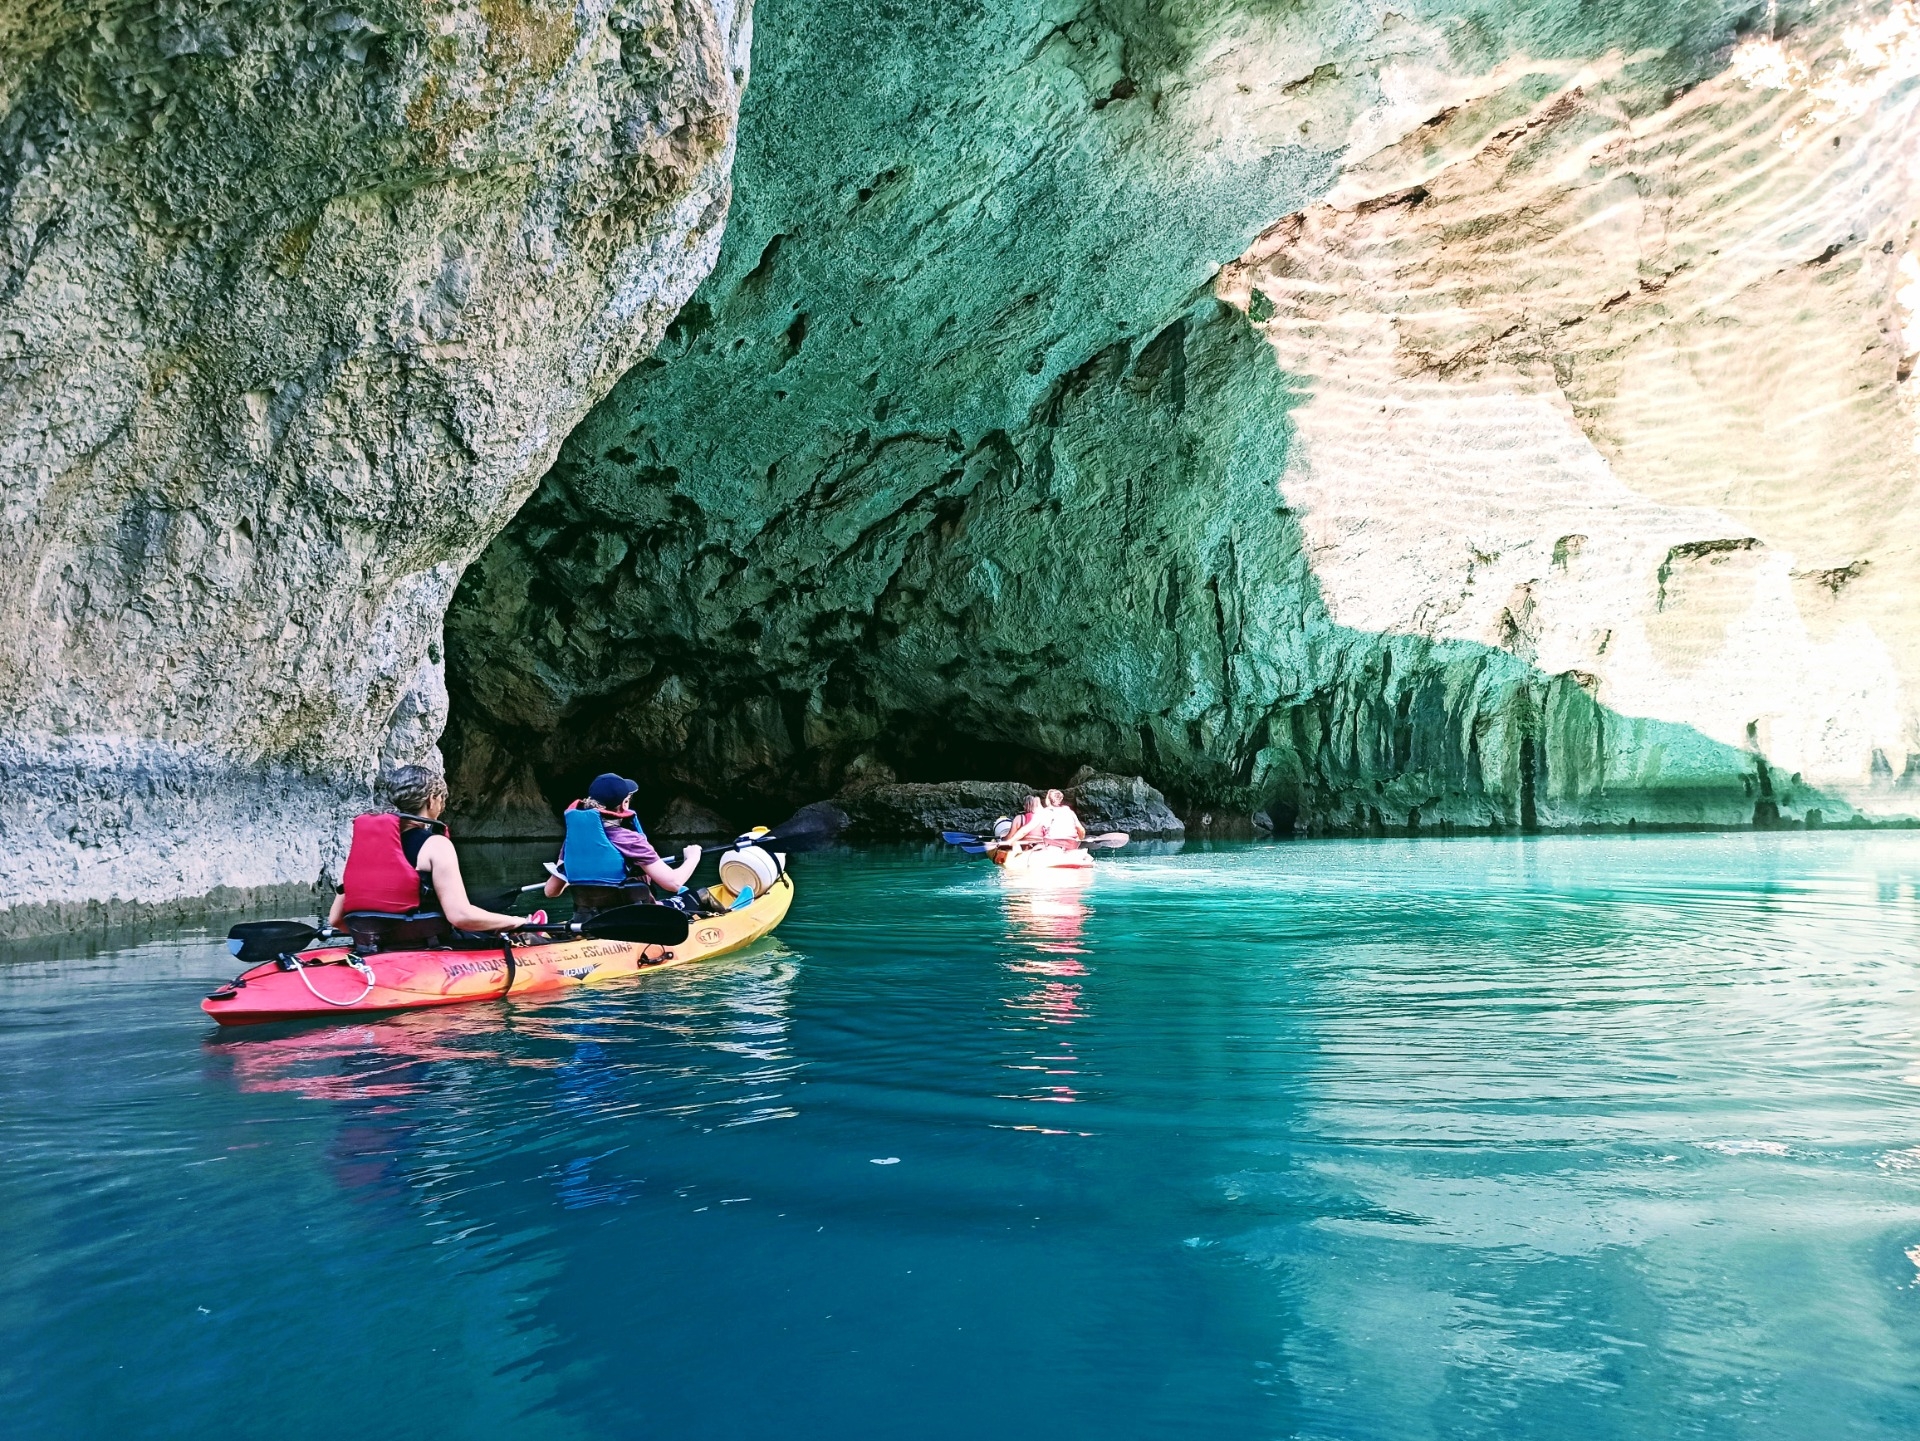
pixel 586 855
pixel 589 901
pixel 396 930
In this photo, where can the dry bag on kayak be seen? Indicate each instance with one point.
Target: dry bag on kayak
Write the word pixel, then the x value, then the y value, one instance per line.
pixel 749 870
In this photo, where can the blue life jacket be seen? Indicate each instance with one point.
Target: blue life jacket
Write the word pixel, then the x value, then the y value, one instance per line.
pixel 586 855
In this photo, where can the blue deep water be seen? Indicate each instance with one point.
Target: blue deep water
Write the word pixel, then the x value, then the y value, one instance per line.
pixel 1554 1138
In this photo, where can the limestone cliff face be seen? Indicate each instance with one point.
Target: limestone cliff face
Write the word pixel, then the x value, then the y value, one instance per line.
pixel 1444 413
pixel 297 302
pixel 1619 383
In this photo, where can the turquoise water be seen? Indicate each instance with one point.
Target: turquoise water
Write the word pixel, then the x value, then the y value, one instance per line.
pixel 1560 1138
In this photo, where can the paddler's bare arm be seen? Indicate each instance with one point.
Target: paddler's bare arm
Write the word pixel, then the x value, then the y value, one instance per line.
pixel 439 861
pixel 672 878
pixel 669 878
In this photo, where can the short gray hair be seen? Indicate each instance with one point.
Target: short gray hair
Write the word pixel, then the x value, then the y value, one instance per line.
pixel 413 788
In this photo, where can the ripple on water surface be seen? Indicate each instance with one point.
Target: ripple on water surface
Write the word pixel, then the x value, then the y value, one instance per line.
pixel 1562 1138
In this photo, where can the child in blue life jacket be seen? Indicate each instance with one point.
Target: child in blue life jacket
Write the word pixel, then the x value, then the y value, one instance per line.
pixel 611 794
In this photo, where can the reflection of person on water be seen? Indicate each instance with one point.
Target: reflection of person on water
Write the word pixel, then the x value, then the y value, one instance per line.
pixel 612 796
pixel 405 862
pixel 1051 824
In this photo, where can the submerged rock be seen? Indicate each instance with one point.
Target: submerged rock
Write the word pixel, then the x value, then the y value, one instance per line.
pixel 296 304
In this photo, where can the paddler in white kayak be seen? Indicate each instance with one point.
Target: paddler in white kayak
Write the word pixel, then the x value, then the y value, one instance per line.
pixel 1052 824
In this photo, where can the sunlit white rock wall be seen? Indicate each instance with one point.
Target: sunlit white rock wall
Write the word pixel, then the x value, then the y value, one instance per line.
pixel 1622 383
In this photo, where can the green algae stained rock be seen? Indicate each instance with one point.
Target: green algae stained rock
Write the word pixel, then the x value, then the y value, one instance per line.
pixel 296 304
pixel 919 810
pixel 957 461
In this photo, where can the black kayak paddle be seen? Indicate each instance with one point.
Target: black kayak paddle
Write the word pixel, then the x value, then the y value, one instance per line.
pixel 644 925
pixel 254 941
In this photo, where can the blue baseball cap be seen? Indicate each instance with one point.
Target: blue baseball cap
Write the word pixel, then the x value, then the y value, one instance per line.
pixel 610 789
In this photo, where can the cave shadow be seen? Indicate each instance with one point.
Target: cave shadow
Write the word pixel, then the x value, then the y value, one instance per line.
pixel 1115 581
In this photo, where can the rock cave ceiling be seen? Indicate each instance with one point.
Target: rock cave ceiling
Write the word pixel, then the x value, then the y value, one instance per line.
pixel 1460 414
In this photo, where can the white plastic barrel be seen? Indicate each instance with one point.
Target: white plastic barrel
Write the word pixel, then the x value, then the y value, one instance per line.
pixel 749 866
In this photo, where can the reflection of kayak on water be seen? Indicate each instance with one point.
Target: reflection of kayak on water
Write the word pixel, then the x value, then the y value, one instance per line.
pixel 338 981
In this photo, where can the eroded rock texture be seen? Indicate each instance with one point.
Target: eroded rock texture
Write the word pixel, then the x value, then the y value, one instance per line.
pixel 296 303
pixel 1442 414
pixel 1619 383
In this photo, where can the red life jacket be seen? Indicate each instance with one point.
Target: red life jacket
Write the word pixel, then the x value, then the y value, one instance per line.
pixel 378 876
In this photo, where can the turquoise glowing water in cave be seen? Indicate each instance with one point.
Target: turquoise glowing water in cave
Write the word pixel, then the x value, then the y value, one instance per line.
pixel 1556 1138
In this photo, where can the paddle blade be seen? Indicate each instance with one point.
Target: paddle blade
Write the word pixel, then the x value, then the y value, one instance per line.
pixel 809 829
pixel 1111 841
pixel 962 839
pixel 502 900
pixel 263 940
pixel 644 925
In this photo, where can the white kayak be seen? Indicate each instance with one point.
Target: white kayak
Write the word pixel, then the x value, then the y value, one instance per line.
pixel 1032 861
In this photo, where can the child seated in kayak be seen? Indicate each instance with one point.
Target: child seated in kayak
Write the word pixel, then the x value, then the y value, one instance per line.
pixel 377 878
pixel 611 795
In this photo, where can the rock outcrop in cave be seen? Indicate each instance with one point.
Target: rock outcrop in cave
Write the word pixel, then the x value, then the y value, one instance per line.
pixel 1452 415
pixel 296 304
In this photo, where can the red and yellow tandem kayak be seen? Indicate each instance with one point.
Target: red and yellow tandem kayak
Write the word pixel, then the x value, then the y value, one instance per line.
pixel 335 981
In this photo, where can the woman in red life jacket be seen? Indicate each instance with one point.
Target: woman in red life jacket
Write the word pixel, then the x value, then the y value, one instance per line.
pixel 1027 828
pixel 377 876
